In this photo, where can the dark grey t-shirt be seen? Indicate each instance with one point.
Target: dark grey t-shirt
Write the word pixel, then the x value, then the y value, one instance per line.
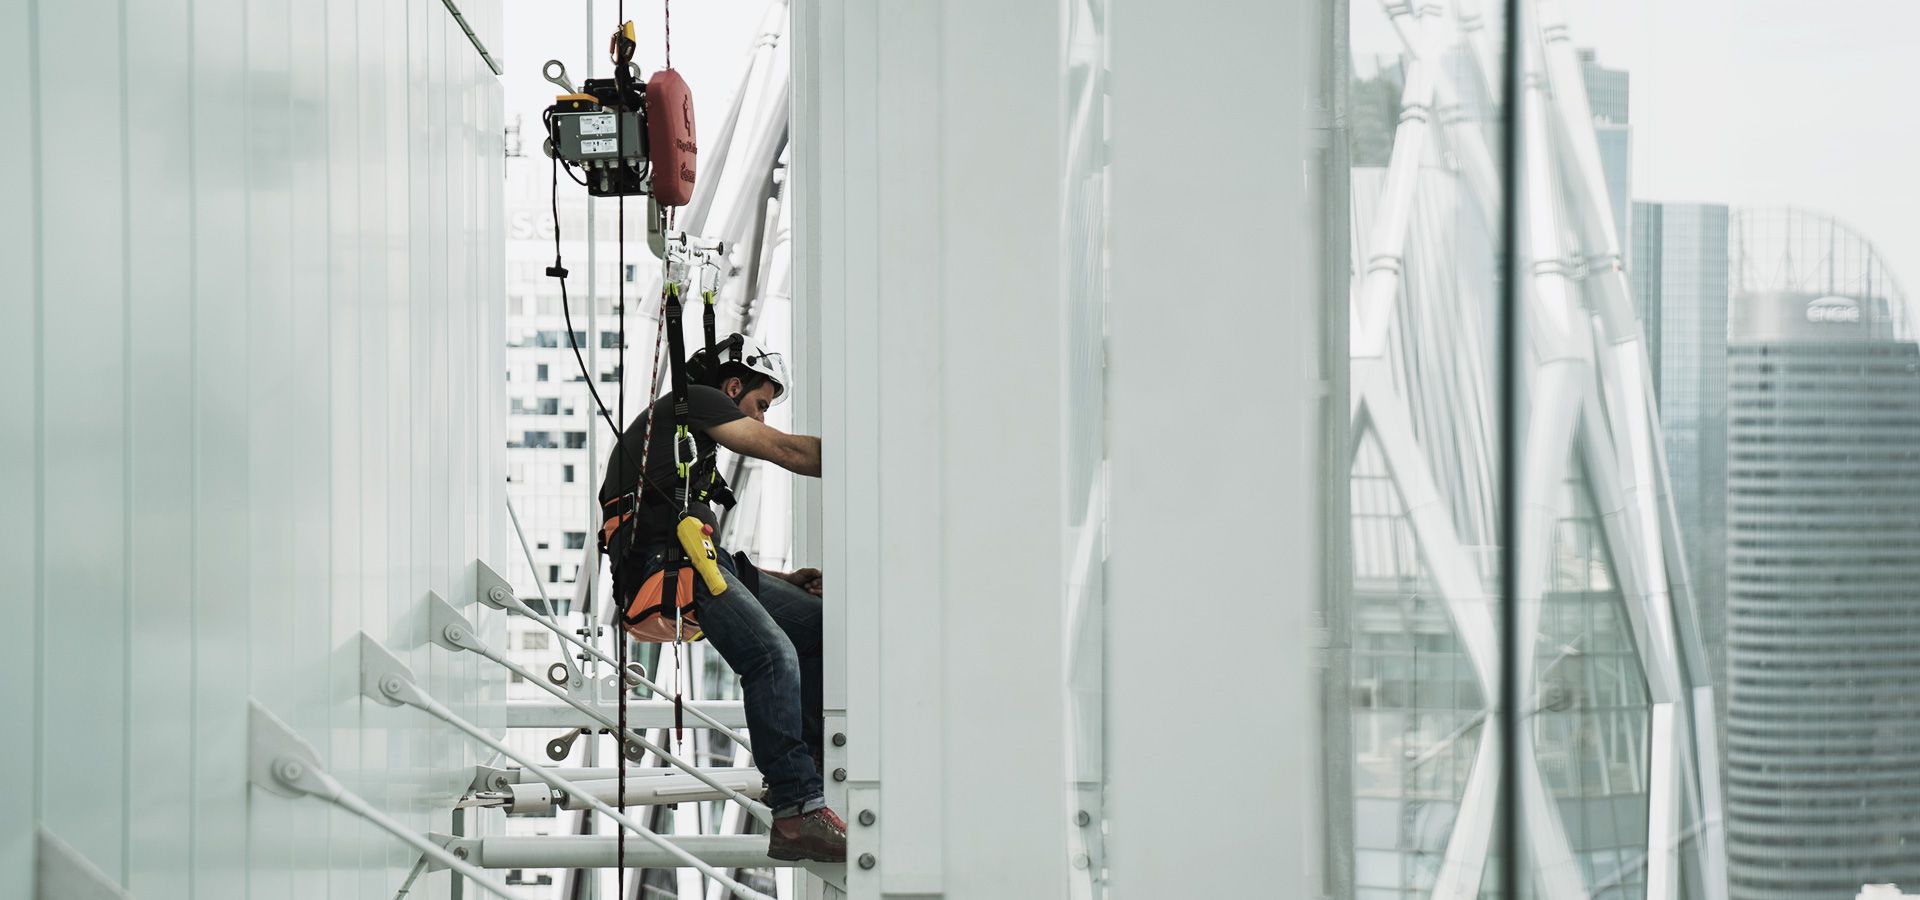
pixel 706 408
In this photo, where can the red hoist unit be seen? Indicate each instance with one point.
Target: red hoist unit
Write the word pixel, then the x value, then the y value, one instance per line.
pixel 624 138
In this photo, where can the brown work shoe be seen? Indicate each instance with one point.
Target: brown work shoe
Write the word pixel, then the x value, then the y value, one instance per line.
pixel 819 836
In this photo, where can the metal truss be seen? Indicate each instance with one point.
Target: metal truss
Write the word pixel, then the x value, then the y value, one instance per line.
pixel 1421 391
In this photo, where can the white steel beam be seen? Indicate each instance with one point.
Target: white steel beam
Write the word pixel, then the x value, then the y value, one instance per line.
pixel 1374 292
pixel 1249 577
pixel 537 798
pixel 1421 26
pixel 1464 865
pixel 727 851
pixel 934 254
pixel 641 714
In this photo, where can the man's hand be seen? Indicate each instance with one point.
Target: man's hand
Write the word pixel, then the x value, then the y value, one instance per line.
pixel 808 580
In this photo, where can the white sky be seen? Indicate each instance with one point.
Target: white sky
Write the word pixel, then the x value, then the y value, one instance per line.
pixel 1760 102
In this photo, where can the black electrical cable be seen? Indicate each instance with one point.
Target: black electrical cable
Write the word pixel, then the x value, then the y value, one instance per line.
pixel 546 119
pixel 559 272
pixel 566 312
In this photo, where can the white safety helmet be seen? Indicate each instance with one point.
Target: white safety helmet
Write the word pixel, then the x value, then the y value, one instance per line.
pixel 744 350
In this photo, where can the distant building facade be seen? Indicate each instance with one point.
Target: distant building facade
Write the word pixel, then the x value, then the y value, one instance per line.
pixel 1823 577
pixel 1607 100
pixel 1680 270
pixel 553 437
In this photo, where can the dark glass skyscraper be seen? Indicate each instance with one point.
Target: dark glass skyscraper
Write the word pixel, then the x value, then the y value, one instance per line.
pixel 1680 283
pixel 1823 565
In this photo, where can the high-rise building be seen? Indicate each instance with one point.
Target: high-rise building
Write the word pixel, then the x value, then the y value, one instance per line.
pixel 1823 584
pixel 1680 284
pixel 1607 99
pixel 553 436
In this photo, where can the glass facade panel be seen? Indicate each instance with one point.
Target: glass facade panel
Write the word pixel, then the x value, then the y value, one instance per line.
pixel 1609 786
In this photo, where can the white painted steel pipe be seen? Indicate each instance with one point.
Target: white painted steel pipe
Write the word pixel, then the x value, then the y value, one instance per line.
pixel 640 714
pixel 452 631
pixel 539 799
pixel 508 600
pixel 1386 248
pixel 386 679
pixel 727 851
pixel 287 765
pixel 606 773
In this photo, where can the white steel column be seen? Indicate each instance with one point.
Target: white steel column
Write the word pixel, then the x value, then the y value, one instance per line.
pixel 927 189
pixel 1215 358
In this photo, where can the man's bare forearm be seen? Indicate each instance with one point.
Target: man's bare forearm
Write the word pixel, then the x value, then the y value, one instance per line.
pixel 803 456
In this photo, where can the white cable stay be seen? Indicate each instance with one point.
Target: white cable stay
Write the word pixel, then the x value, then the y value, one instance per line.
pixel 384 677
pixel 281 762
pixel 453 632
pixel 494 591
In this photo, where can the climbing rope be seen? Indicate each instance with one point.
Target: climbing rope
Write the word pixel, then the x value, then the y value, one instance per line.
pixel 620 633
pixel 667 333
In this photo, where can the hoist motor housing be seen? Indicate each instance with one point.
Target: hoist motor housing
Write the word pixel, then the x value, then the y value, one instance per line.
pixel 599 141
pixel 602 131
pixel 626 139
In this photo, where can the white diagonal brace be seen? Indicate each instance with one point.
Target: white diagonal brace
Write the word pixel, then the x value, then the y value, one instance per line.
pixel 499 595
pixel 451 631
pixel 281 762
pixel 385 678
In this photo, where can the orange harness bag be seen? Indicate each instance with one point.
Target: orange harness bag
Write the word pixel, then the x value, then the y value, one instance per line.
pixel 649 618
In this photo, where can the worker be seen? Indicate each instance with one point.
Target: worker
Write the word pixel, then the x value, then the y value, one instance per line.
pixel 766 625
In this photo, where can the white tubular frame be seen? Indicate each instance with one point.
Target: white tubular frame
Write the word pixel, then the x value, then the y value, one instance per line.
pixel 495 592
pixel 385 678
pixel 453 632
pixel 732 851
pixel 1587 396
pixel 657 788
pixel 285 764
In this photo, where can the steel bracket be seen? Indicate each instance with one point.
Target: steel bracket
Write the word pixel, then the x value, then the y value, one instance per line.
pixel 281 761
pixel 491 589
pixel 462 848
pixel 62 873
pixel 490 778
pixel 384 677
pixel 449 628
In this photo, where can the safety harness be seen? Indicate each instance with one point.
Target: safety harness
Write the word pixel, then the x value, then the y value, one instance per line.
pixel 661 609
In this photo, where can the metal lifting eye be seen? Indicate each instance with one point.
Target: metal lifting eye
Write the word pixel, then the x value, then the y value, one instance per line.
pixel 558 748
pixel 556 72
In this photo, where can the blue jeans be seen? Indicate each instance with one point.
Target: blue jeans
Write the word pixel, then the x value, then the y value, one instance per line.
pixel 772 640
